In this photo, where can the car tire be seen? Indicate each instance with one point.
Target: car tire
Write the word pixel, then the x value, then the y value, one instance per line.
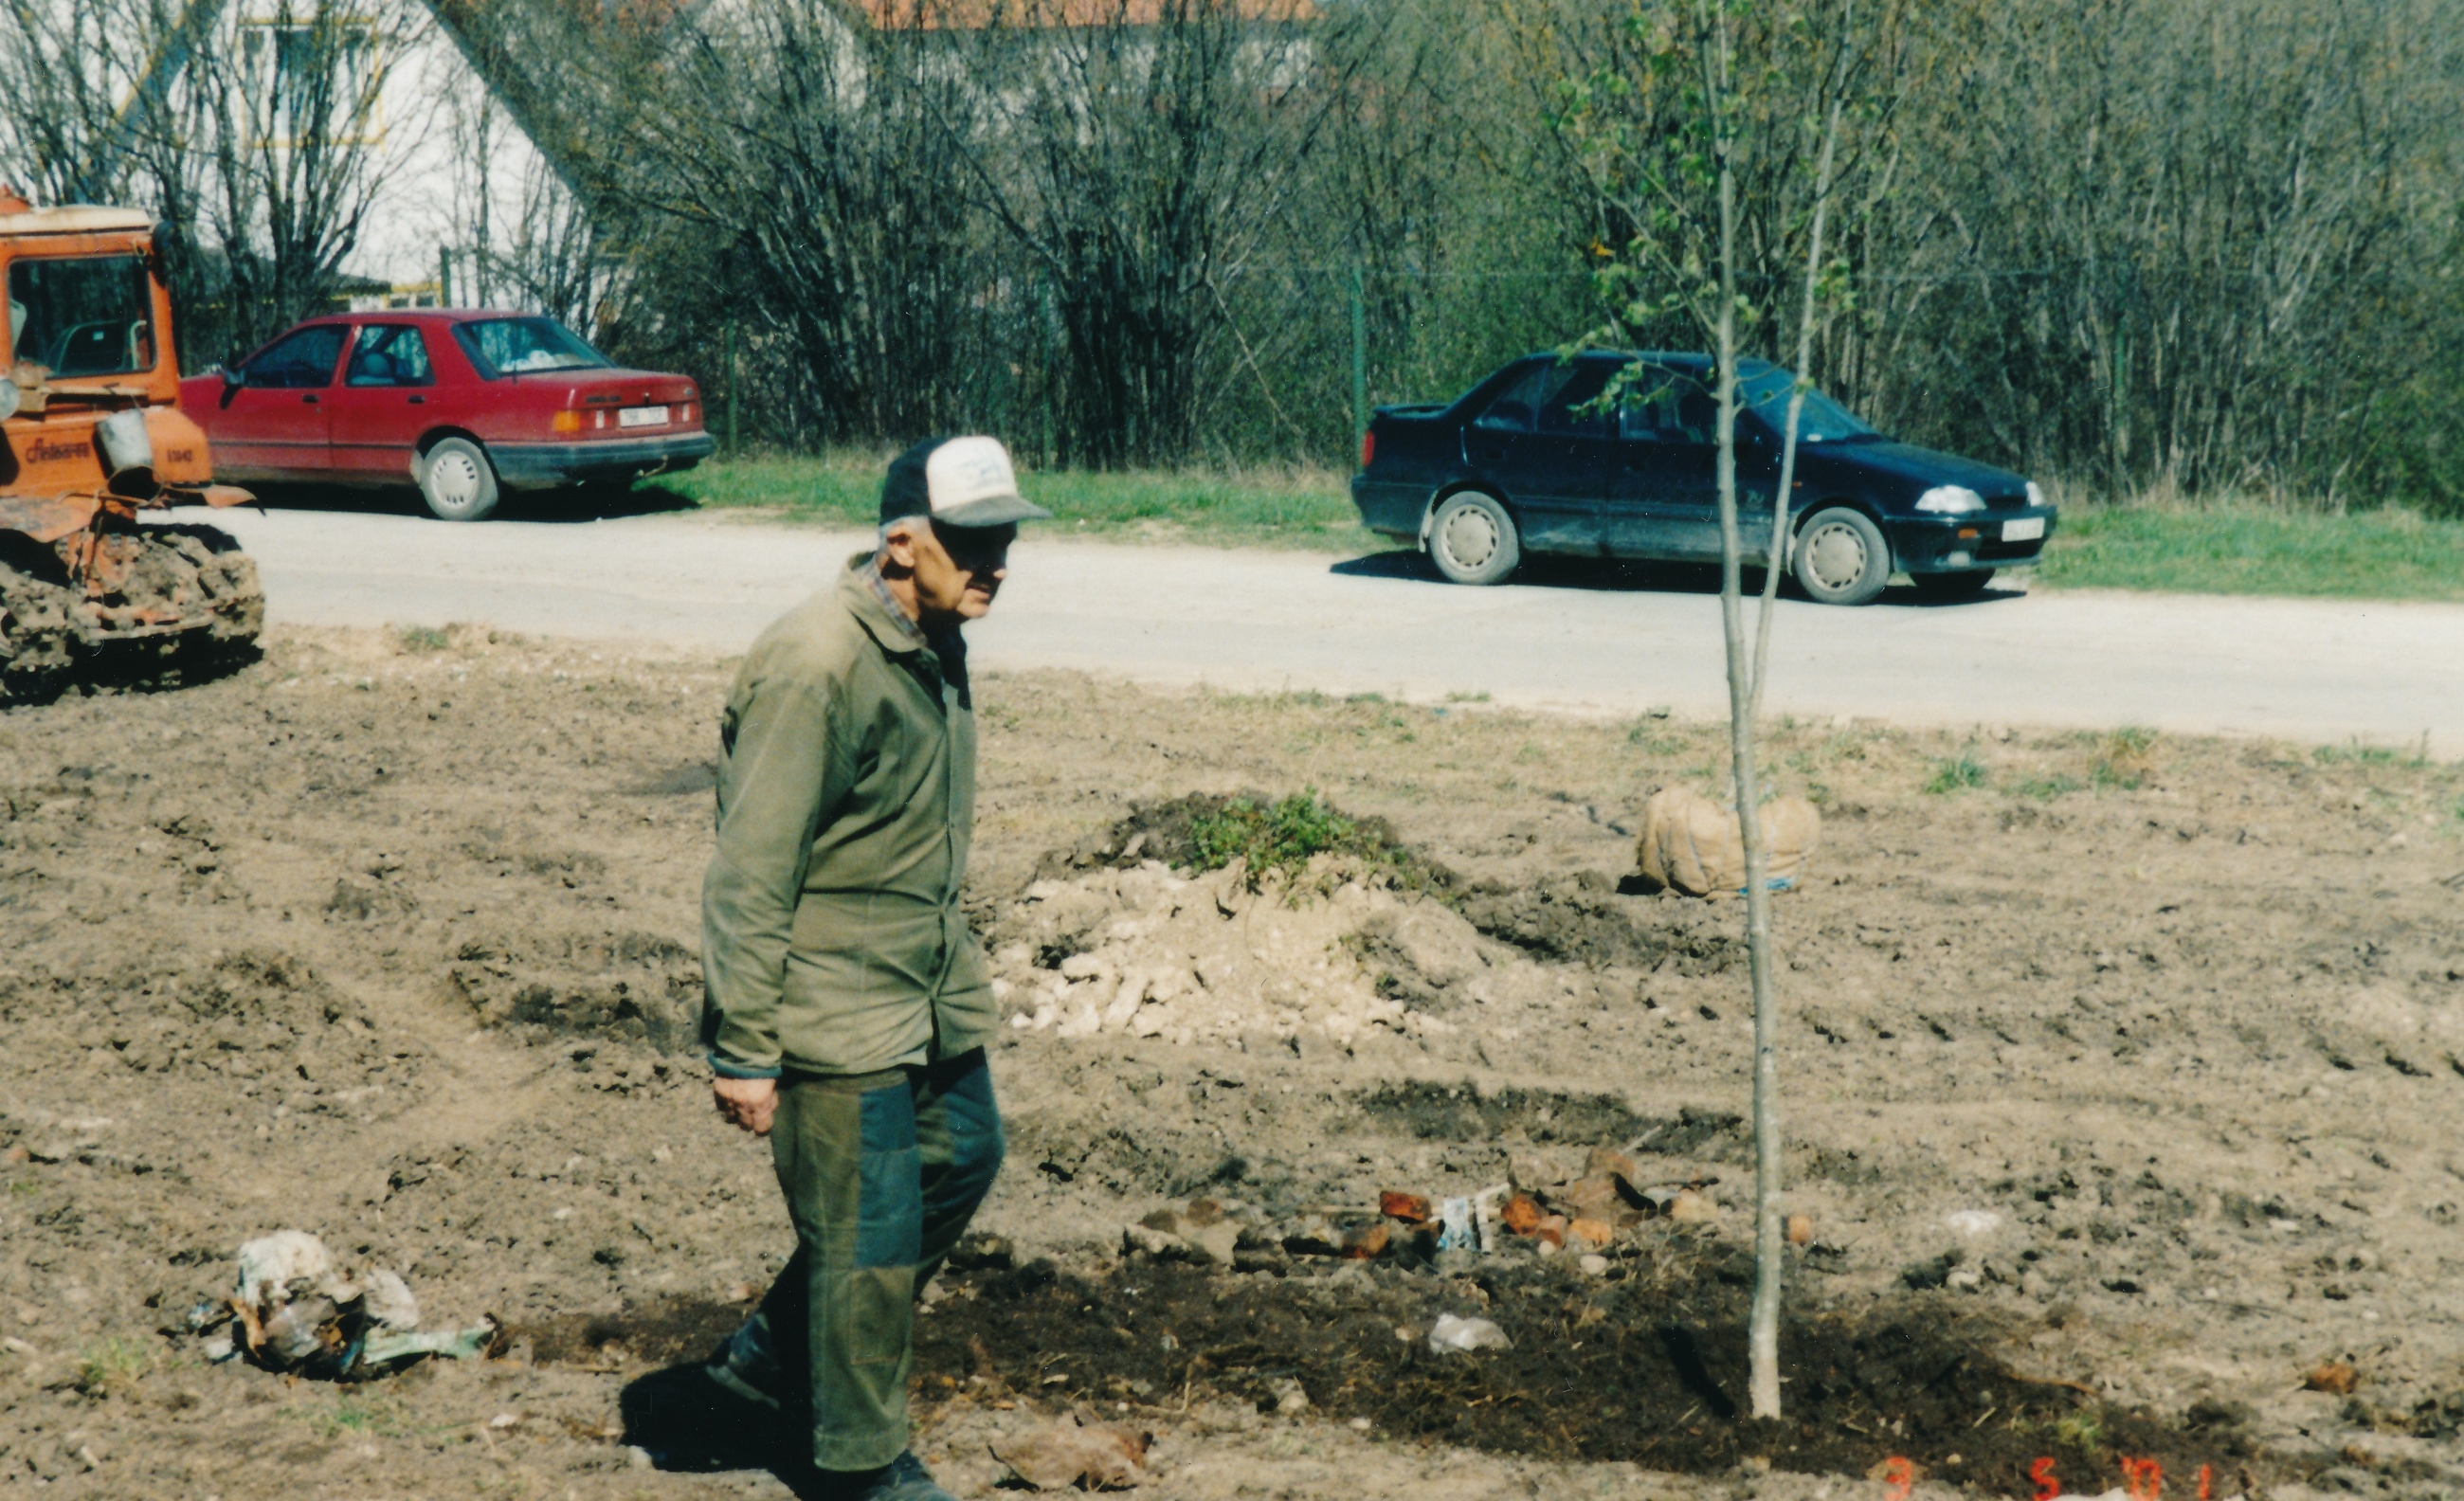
pixel 458 480
pixel 1473 540
pixel 1841 557
pixel 1953 586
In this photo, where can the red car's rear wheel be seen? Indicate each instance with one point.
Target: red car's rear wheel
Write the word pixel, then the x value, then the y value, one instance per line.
pixel 458 479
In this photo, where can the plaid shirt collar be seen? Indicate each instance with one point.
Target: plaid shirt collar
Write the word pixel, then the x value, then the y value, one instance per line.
pixel 896 614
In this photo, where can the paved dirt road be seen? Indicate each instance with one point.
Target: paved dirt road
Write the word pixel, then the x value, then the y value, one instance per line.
pixel 1579 639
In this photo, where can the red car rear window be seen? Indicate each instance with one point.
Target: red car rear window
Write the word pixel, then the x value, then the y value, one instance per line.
pixel 502 346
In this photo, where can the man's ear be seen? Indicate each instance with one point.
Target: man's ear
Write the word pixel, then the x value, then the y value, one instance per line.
pixel 898 548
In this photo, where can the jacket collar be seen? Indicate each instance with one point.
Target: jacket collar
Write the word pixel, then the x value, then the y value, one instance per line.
pixel 869 599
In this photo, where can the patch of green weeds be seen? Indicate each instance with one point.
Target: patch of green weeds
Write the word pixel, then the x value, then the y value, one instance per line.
pixel 1479 697
pixel 1960 773
pixel 2125 758
pixel 423 638
pixel 2044 789
pixel 2081 1430
pixel 357 1415
pixel 110 1365
pixel 1282 836
pixel 2354 752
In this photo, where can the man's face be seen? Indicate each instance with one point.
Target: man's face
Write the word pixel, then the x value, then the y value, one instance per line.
pixel 956 571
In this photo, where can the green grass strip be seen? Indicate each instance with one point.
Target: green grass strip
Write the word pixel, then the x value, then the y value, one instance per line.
pixel 1275 508
pixel 2221 549
pixel 2390 554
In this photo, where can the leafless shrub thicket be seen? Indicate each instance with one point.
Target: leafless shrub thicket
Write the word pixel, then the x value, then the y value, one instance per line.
pixel 254 135
pixel 2195 245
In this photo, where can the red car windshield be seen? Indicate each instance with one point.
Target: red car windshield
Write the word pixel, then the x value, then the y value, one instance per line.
pixel 525 346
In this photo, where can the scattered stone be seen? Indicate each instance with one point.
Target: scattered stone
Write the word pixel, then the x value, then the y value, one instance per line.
pixel 1161 1244
pixel 1521 1214
pixel 1595 1266
pixel 1410 1209
pixel 1688 1207
pixel 1291 1399
pixel 1801 1229
pixel 1973 1223
pixel 1368 1242
pixel 1217 1241
pixel 1455 1335
pixel 1596 1234
pixel 1103 1456
pixel 2334 1378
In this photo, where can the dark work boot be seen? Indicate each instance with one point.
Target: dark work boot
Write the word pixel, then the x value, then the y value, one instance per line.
pixel 903 1479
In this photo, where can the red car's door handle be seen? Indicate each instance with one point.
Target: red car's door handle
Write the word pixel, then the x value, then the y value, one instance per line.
pixel 419 400
pixel 310 398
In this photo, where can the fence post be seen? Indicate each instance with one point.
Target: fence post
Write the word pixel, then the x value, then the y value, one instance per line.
pixel 732 385
pixel 1359 356
pixel 445 275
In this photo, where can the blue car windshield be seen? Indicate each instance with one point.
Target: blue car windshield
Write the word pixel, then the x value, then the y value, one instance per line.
pixel 1822 420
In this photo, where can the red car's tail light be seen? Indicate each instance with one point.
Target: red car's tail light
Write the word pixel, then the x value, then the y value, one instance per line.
pixel 565 422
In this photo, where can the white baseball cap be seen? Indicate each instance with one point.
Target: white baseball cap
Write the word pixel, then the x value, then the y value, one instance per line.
pixel 966 481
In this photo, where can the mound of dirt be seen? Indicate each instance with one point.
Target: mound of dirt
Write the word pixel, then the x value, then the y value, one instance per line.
pixel 1208 960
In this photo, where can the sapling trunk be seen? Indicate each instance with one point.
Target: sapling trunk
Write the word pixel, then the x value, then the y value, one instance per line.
pixel 1763 1327
pixel 1784 498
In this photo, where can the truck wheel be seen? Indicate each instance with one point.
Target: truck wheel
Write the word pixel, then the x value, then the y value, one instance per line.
pixel 1842 558
pixel 1472 540
pixel 458 479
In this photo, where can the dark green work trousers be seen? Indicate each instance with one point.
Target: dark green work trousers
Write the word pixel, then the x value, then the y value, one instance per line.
pixel 882 1172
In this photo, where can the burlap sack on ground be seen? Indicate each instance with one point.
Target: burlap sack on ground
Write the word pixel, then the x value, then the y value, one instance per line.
pixel 1693 844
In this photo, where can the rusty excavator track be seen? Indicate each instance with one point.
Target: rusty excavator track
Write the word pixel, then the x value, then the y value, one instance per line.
pixel 93 587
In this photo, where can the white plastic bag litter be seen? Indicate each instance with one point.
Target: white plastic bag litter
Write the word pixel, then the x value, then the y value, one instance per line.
pixel 296 1311
pixel 1453 1334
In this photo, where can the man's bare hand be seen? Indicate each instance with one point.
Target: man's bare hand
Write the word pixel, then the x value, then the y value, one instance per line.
pixel 747 1104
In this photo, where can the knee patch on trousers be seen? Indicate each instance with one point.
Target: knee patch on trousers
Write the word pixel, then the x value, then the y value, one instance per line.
pixel 975 1147
pixel 890 1203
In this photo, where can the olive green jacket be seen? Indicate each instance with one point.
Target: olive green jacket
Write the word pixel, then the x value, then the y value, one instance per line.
pixel 832 940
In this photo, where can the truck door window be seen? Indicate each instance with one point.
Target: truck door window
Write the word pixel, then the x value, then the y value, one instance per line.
pixel 85 314
pixel 389 354
pixel 298 362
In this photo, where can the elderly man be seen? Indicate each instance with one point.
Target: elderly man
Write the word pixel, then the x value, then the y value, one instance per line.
pixel 848 1003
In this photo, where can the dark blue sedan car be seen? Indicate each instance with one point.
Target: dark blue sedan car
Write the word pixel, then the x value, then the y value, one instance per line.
pixel 1612 454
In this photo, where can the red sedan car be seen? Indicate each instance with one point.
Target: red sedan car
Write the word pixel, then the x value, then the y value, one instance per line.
pixel 464 405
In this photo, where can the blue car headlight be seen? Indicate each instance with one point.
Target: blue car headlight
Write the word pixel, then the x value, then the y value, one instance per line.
pixel 2036 496
pixel 1951 500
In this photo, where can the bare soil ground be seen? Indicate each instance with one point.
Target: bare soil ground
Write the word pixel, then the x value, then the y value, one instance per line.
pixel 2124 1085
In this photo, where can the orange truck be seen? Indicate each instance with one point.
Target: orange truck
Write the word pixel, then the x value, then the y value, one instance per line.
pixel 92 588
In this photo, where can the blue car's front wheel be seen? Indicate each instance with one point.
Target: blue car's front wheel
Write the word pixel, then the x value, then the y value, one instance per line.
pixel 1841 557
